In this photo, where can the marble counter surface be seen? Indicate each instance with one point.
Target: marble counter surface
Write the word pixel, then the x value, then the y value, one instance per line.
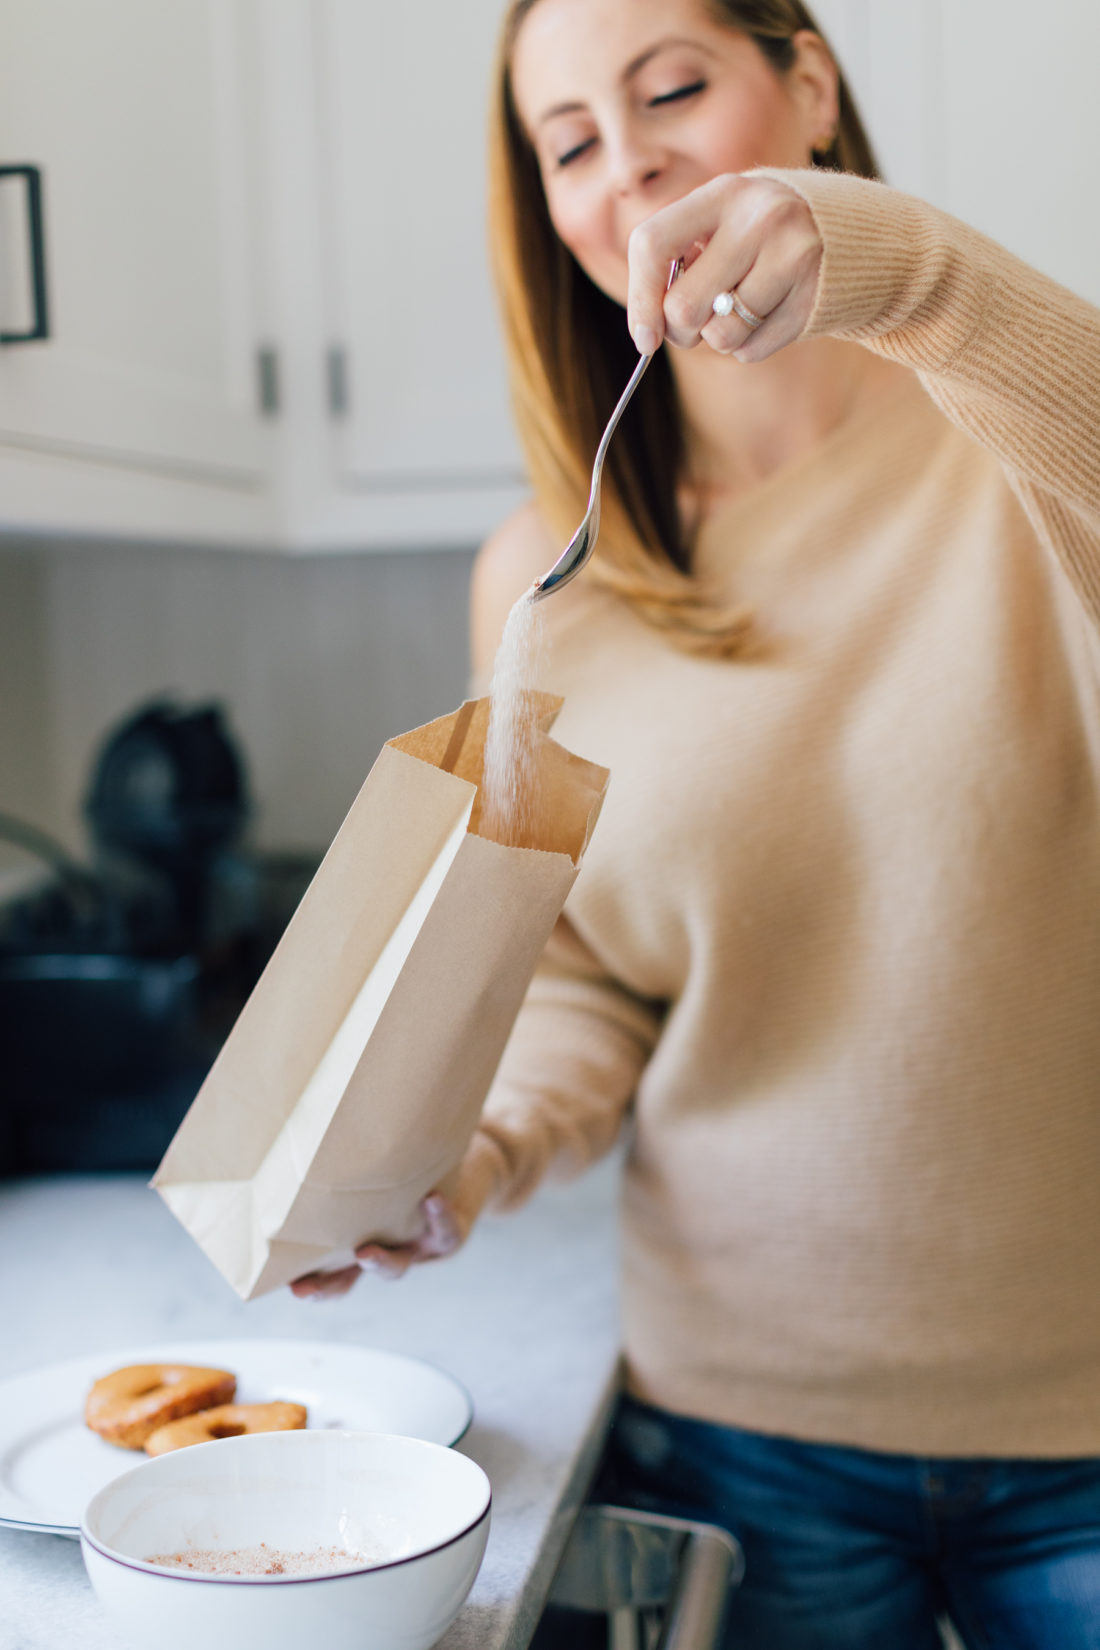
pixel 524 1316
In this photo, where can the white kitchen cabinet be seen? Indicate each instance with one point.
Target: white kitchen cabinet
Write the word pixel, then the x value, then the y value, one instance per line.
pixel 1021 130
pixel 138 114
pixel 229 189
pixel 271 319
pixel 418 388
pixel 989 110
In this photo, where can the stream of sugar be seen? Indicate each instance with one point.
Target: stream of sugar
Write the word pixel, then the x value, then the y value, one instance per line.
pixel 510 774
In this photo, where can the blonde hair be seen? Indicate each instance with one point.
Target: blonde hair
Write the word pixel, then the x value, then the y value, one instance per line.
pixel 570 354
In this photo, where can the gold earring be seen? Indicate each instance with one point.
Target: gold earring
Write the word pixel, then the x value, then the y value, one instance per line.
pixel 824 146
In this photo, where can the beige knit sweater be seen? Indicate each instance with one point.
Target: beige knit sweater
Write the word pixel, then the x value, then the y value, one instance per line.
pixel 836 944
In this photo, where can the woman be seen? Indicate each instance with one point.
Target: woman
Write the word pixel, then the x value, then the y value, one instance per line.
pixel 837 940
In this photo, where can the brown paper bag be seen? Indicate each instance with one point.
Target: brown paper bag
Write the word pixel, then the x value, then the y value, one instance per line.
pixel 354 1076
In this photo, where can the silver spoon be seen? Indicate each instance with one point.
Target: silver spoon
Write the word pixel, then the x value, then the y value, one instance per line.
pixel 581 545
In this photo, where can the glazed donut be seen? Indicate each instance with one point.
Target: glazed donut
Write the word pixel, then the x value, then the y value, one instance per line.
pixel 129 1405
pixel 226 1421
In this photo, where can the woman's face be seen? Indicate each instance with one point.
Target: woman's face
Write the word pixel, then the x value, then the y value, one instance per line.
pixel 631 104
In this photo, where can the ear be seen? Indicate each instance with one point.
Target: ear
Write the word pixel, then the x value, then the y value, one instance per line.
pixel 814 82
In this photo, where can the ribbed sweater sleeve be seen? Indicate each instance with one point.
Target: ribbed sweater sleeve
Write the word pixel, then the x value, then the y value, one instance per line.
pixel 1010 356
pixel 567 1075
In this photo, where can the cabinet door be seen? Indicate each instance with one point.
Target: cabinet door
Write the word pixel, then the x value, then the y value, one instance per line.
pixel 1021 119
pixel 989 111
pixel 422 407
pixel 138 113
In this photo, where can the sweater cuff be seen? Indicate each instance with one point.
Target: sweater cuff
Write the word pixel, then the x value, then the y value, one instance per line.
pixel 896 272
pixel 483 1169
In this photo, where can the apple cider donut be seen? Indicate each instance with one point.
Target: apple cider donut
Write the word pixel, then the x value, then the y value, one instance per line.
pixel 130 1404
pixel 226 1421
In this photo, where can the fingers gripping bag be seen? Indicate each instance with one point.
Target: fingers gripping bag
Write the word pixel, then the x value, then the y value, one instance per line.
pixel 353 1078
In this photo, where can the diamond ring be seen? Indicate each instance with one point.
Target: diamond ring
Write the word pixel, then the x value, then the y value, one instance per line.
pixel 728 303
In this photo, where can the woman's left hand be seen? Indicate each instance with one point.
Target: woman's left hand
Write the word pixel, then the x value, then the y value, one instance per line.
pixel 737 234
pixel 445 1223
pixel 442 1233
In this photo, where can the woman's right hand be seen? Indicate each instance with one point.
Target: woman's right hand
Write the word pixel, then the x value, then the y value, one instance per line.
pixel 753 236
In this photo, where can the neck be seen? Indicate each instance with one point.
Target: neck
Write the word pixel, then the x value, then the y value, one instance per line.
pixel 743 422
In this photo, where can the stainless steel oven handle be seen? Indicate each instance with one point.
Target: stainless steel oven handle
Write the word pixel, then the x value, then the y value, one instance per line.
pixel 619 1562
pixel 709 1567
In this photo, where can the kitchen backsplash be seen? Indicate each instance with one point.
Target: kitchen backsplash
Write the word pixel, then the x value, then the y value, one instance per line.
pixel 317 660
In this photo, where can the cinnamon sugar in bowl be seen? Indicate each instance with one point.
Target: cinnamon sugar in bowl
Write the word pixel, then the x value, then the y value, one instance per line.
pixel 282 1539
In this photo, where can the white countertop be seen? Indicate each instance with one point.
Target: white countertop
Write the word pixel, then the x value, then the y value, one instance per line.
pixel 525 1317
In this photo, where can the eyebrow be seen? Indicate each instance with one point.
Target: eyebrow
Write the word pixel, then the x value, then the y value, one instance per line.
pixel 635 65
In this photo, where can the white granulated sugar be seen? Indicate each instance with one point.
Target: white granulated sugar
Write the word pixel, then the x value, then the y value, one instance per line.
pixel 509 774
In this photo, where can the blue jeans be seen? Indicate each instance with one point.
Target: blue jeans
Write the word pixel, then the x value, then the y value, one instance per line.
pixel 849 1549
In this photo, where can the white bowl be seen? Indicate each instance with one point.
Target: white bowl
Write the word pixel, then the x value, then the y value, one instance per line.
pixel 412 1518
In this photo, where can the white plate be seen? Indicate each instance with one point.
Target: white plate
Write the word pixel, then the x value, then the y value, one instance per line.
pixel 51 1464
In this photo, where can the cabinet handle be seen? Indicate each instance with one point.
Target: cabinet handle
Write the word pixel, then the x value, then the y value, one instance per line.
pixel 267 380
pixel 336 374
pixel 40 327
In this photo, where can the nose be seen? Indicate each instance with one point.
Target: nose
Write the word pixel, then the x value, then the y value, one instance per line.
pixel 636 161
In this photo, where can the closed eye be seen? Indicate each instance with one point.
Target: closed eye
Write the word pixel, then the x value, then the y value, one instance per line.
pixel 574 153
pixel 678 94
